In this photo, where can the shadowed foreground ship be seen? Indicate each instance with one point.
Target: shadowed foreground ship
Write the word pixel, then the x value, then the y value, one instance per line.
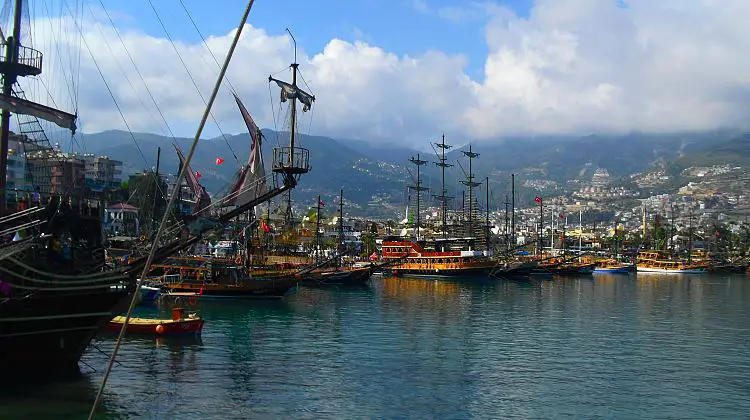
pixel 54 293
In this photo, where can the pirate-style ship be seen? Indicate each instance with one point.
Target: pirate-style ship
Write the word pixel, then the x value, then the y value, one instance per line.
pixel 455 256
pixel 54 292
pixel 239 275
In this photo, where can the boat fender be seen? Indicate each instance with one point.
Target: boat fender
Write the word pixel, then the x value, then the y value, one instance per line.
pixel 159 329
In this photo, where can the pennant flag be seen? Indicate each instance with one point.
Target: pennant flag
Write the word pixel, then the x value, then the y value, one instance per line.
pixel 197 175
pixel 538 199
pixel 265 226
pixel 322 203
pixel 562 215
pixel 219 161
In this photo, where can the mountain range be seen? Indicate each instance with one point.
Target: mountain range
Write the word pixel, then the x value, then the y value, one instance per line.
pixel 374 176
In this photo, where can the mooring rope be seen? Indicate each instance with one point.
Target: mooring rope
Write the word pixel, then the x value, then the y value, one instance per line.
pixel 172 197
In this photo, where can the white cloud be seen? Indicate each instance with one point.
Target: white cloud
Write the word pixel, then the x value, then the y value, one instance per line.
pixel 421 6
pixel 570 66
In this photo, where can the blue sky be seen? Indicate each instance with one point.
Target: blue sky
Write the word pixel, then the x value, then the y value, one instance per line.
pixel 399 26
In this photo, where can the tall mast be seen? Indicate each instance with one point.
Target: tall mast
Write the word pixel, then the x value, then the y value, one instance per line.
pixel 317 232
pixel 690 234
pixel 292 161
pixel 9 78
pixel 513 209
pixel 155 192
pixel 540 231
pixel 487 212
pixel 340 247
pixel 507 221
pixel 293 113
pixel 288 214
pixel 469 182
pixel 580 231
pixel 443 197
pixel 418 188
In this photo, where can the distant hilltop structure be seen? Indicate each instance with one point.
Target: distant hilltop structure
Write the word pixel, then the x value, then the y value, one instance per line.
pixel 600 178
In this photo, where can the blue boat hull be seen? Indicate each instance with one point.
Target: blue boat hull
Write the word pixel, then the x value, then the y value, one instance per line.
pixel 616 270
pixel 149 294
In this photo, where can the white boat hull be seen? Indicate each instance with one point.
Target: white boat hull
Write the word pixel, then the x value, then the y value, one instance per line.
pixel 674 271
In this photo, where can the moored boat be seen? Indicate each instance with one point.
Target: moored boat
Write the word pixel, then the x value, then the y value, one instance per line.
pixel 613 266
pixel 222 278
pixel 345 276
pixel 192 324
pixel 417 261
pixel 657 262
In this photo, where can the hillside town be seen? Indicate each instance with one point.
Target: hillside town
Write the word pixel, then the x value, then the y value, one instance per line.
pixel 710 210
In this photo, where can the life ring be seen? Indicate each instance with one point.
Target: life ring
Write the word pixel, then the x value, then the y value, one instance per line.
pixel 238 260
pixel 193 300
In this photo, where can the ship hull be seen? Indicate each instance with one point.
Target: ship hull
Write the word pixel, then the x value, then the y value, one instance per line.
pixel 675 271
pixel 145 326
pixel 354 277
pixel 472 272
pixel 45 336
pixel 255 289
pixel 615 270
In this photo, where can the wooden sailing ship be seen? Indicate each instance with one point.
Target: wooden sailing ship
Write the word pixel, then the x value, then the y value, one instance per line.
pixel 240 276
pixel 661 263
pixel 55 293
pixel 332 272
pixel 214 277
pixel 445 256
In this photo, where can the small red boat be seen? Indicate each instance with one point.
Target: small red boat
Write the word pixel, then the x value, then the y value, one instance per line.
pixel 178 325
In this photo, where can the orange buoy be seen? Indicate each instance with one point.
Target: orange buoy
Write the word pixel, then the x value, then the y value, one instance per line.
pixel 159 329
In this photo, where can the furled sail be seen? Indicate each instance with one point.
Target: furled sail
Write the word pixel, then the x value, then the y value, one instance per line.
pixel 252 180
pixel 203 200
pixel 290 92
pixel 22 106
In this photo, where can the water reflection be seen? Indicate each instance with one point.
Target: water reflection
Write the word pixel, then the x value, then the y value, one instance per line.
pixel 598 346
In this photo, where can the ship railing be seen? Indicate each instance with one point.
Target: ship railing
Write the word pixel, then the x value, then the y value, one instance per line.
pixel 291 161
pixel 17 200
pixel 28 61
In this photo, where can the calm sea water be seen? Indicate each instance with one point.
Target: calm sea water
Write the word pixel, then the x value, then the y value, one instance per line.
pixel 601 347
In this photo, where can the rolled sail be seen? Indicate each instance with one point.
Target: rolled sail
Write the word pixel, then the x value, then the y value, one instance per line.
pixel 22 106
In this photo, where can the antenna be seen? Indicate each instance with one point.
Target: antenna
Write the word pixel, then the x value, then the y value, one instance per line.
pixel 295 44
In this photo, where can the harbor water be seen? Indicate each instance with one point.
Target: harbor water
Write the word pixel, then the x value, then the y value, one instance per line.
pixel 607 346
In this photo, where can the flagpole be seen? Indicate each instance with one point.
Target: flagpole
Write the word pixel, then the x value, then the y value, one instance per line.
pixel 580 232
pixel 317 232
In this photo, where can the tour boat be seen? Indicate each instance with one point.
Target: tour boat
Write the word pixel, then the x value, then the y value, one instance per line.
pixel 418 261
pixel 655 262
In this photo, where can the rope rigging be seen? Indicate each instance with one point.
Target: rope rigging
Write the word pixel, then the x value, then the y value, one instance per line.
pixel 172 198
pixel 190 75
